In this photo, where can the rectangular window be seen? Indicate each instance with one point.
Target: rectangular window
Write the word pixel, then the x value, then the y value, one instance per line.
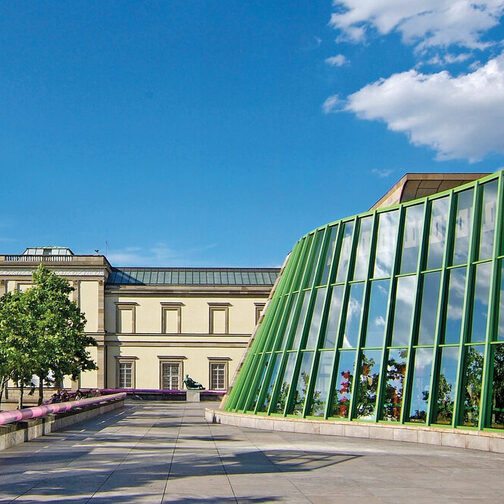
pixel 219 318
pixel 171 373
pixel 126 372
pixel 171 318
pixel 218 375
pixel 125 318
pixel 259 307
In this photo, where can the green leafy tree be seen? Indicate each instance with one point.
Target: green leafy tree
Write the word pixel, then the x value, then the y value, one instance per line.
pixel 17 343
pixel 42 333
pixel 57 324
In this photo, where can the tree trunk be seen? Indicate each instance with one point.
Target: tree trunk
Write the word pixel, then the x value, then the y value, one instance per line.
pixel 21 392
pixel 41 390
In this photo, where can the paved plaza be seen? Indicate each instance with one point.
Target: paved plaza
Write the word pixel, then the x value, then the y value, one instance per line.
pixel 165 452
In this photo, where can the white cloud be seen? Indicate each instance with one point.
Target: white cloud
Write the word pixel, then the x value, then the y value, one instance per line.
pixel 459 117
pixel 338 60
pixel 333 104
pixel 448 59
pixel 158 255
pixel 426 23
pixel 384 173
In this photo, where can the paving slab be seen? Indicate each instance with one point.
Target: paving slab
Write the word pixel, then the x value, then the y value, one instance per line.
pixel 165 452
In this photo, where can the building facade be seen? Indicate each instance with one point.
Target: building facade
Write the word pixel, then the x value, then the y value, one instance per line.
pixel 154 325
pixel 394 315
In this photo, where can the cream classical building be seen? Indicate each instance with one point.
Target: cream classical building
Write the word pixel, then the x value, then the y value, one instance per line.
pixel 154 325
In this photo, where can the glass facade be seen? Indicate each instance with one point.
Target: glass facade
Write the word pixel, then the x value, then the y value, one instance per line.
pixel 394 315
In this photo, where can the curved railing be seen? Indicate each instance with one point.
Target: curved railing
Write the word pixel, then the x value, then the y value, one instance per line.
pixel 8 417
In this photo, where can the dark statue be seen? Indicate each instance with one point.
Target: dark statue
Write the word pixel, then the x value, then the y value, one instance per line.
pixel 191 384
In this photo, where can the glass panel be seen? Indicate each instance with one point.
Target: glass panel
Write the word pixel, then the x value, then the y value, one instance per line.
pixel 473 372
pixel 488 212
pixel 500 331
pixel 413 227
pixel 363 249
pixel 446 386
pixel 343 385
pixel 368 384
pixel 455 307
pixel 437 232
pixel 314 256
pixel 301 320
pixel 302 384
pixel 289 322
pixel 331 331
pixel 463 226
pixel 394 387
pixel 318 307
pixel 386 244
pixel 302 263
pixel 346 248
pixel 321 390
pixel 480 305
pixel 405 300
pixel 377 316
pixel 497 406
pixel 421 385
pixel 353 316
pixel 285 384
pixel 262 374
pixel 333 234
pixel 263 405
pixel 428 313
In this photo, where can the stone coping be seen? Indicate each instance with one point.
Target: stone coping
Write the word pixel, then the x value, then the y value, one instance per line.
pixel 440 436
pixel 20 432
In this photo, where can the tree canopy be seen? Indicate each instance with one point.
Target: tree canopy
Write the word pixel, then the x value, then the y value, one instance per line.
pixel 42 333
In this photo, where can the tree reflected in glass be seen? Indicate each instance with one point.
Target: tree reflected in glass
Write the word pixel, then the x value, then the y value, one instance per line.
pixel 394 388
pixel 343 386
pixel 368 384
pixel 473 372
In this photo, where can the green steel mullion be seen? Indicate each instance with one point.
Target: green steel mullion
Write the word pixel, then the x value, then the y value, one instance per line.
pixel 287 269
pixel 245 389
pixel 256 382
pixel 486 385
pixel 466 310
pixel 282 325
pixel 332 273
pixel 323 319
pixel 284 356
pixel 367 288
pixel 442 299
pixel 299 265
pixel 295 321
pixel 306 265
pixel 292 268
pixel 254 379
pixel 316 356
pixel 422 259
pixel 413 323
pixel 275 334
pixel 344 307
pixel 389 324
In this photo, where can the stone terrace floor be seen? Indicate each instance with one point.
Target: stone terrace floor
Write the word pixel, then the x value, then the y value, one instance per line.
pixel 165 452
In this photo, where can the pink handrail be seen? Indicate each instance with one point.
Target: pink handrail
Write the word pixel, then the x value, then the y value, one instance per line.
pixel 8 417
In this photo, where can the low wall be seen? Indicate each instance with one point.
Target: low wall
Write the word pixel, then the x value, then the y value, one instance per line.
pixel 166 395
pixel 21 431
pixel 440 436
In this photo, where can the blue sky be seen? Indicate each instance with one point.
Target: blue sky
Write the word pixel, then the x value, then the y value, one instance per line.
pixel 210 133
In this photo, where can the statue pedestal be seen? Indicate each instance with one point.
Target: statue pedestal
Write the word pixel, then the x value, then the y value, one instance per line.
pixel 193 396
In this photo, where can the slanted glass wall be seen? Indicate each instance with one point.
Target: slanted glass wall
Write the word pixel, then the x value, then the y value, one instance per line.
pixel 395 315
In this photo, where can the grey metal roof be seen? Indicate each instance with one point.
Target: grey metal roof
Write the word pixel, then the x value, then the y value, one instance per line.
pixel 193 276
